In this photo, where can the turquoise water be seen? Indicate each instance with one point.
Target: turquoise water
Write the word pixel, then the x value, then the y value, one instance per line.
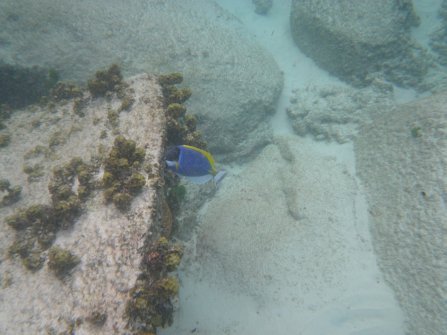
pixel 331 219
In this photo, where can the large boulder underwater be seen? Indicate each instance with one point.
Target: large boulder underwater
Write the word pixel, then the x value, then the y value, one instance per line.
pixel 235 83
pixel 81 204
pixel 358 41
pixel 401 158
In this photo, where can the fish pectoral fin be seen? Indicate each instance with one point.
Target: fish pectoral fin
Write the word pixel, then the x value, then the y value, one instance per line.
pixel 200 179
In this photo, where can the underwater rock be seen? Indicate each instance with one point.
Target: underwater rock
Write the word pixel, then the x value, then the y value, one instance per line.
pixel 235 82
pixel 401 158
pixel 64 206
pixel 358 41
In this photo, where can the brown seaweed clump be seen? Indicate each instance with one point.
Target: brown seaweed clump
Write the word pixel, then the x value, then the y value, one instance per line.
pixel 65 90
pixel 61 261
pixel 36 226
pixel 122 179
pixel 151 305
pixel 36 229
pixel 11 194
pixel 5 139
pixel 106 81
pixel 181 127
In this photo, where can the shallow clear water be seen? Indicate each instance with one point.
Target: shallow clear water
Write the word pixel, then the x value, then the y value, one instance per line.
pixel 295 240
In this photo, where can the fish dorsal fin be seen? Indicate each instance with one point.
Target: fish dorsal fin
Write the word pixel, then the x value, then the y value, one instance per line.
pixel 207 155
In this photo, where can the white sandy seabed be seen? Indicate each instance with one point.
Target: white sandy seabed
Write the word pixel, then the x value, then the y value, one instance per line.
pixel 284 247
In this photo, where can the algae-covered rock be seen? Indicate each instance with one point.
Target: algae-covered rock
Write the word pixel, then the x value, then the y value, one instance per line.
pixel 65 207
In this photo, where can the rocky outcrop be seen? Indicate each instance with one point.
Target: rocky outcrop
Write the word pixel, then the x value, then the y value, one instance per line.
pixel 401 158
pixel 360 40
pixel 70 263
pixel 235 83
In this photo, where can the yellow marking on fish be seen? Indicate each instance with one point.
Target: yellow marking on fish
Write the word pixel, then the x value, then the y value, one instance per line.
pixel 207 155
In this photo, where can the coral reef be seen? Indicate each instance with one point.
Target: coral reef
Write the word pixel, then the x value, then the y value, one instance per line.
pixel 121 178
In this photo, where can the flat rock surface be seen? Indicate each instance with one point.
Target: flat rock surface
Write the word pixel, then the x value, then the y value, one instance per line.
pixel 107 241
pixel 401 158
pixel 235 83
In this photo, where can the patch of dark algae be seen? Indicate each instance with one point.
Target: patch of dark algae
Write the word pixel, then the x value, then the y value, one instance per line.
pixel 36 226
pixel 121 178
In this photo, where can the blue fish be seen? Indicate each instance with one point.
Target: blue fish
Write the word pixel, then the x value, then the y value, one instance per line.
pixel 195 164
